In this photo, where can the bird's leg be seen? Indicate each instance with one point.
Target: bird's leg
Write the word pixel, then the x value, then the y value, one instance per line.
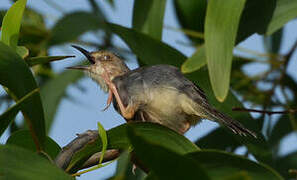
pixel 108 100
pixel 129 111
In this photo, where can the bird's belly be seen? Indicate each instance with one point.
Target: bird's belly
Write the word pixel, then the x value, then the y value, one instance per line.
pixel 164 106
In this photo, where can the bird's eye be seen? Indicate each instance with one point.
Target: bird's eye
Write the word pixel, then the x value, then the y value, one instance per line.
pixel 106 57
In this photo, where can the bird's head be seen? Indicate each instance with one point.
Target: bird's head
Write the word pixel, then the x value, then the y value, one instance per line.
pixel 103 65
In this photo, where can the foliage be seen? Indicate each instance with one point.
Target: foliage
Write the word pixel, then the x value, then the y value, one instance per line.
pixel 214 28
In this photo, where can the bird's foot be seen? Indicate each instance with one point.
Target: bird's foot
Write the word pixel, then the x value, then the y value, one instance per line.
pixel 108 100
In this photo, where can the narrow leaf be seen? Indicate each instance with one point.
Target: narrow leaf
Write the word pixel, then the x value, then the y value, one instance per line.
pixel 148 17
pixel 10 113
pixel 44 59
pixel 195 62
pixel 222 20
pixel 11 24
pixel 103 136
pixel 18 78
pixel 285 11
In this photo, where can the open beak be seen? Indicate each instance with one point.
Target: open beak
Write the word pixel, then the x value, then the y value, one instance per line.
pixel 88 56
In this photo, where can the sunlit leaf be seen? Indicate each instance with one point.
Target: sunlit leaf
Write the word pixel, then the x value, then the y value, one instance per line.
pixel 196 61
pixel 221 24
pixel 103 137
pixel 11 24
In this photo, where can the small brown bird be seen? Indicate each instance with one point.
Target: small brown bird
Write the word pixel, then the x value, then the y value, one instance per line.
pixel 159 94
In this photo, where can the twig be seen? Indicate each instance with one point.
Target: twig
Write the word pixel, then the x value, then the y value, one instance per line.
pixel 264 111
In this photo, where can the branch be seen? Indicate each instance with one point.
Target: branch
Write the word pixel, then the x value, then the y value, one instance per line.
pixel 264 111
pixel 64 157
pixel 108 156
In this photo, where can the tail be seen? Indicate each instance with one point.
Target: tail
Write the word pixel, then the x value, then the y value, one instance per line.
pixel 232 124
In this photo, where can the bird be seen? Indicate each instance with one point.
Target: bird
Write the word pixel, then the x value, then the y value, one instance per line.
pixel 158 94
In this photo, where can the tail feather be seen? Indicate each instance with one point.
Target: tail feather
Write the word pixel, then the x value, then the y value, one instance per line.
pixel 232 124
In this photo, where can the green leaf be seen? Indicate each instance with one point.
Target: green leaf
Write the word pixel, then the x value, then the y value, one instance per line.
pixel 53 91
pixel 218 139
pixel 191 15
pixel 11 24
pixel 148 17
pixel 150 51
pixel 45 59
pixel 162 162
pixel 221 24
pixel 196 61
pixel 20 164
pixel 220 164
pixel 255 18
pixel 285 163
pixel 22 51
pixel 10 113
pixel 103 136
pixel 124 170
pixel 285 11
pixel 71 26
pixel 18 78
pixel 118 139
pixel 22 138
